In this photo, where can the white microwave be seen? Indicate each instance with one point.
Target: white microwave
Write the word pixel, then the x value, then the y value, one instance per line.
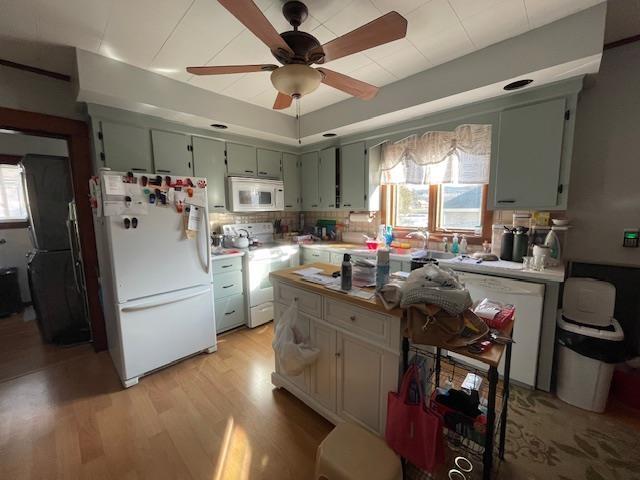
pixel 255 195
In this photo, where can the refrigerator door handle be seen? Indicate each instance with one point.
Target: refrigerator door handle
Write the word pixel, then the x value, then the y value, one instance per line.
pixel 207 238
pixel 156 303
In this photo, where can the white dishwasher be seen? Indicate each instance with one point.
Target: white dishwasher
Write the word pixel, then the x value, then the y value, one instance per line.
pixel 528 299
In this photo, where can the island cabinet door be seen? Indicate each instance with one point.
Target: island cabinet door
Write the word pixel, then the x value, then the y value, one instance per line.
pixel 303 323
pixel 366 374
pixel 323 371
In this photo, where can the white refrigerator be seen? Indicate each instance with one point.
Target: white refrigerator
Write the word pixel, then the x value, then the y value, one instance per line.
pixel 155 282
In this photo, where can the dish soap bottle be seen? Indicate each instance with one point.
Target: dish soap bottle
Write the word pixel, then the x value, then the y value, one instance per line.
pixel 463 246
pixel 345 272
pixel 455 246
pixel 382 268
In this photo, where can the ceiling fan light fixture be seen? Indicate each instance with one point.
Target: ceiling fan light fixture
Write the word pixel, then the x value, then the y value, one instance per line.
pixel 296 80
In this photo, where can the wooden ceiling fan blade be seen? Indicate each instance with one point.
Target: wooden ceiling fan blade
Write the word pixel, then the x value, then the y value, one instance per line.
pixel 384 29
pixel 251 17
pixel 282 101
pixel 348 84
pixel 225 69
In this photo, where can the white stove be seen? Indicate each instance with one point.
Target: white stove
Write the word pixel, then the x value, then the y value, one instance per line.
pixel 260 260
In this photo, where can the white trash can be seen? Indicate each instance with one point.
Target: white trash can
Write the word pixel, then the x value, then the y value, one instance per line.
pixel 586 359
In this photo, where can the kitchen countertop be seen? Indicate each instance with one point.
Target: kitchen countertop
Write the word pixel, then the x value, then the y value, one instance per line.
pixel 289 277
pixel 500 267
pixel 228 253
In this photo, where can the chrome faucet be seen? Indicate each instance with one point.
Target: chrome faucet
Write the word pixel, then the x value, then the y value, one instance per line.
pixel 422 233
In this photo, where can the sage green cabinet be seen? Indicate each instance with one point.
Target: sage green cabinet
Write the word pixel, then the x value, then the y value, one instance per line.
pixel 291 179
pixel 208 162
pixel 529 156
pixel 310 186
pixel 327 178
pixel 125 147
pixel 241 160
pixel 172 153
pixel 352 176
pixel 269 163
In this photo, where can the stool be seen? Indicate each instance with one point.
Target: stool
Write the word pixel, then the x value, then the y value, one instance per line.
pixel 351 453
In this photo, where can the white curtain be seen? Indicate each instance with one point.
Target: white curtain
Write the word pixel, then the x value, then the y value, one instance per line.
pixel 460 156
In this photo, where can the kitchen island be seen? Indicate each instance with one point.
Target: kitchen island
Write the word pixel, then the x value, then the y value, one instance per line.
pixel 360 350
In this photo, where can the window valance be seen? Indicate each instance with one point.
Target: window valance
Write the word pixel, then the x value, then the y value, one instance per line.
pixel 460 156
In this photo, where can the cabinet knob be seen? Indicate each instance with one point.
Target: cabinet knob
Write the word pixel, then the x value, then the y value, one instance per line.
pixel 337 354
pixel 352 318
pixel 295 299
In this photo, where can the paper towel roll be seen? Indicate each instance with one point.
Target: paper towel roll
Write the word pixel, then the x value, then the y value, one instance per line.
pixel 360 217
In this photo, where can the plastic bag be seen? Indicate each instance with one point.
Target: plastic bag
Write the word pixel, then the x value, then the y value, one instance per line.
pixel 292 349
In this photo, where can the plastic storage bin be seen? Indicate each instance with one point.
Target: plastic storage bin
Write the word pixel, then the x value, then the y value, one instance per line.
pixel 586 360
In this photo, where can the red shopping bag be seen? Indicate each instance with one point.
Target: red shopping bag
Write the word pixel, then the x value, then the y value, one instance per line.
pixel 413 431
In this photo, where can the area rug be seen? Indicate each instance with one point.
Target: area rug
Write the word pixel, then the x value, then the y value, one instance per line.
pixel 548 439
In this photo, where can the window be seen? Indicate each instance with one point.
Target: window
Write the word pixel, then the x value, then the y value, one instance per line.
pixel 13 207
pixel 412 206
pixel 442 209
pixel 460 207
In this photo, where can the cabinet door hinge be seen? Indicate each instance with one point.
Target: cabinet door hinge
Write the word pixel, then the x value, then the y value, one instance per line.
pixel 102 156
pixel 560 188
pixel 365 197
pixel 189 148
pixel 567 115
pixel 100 136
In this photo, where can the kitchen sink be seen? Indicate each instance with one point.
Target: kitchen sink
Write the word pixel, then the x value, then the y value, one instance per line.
pixel 432 254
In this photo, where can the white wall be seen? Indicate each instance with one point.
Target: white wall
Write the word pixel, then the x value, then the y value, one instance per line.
pixel 604 196
pixel 18 242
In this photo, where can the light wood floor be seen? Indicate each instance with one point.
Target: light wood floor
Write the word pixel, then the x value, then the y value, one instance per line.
pixel 211 417
pixel 22 350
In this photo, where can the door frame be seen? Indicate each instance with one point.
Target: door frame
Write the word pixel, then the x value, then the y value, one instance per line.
pixel 76 133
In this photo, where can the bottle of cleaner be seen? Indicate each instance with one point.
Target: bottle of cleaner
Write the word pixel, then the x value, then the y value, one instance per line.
pixel 445 244
pixel 345 272
pixel 553 242
pixel 455 245
pixel 463 246
pixel 382 268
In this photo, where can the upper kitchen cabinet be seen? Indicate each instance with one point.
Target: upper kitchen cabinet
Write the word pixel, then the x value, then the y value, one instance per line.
pixel 172 153
pixel 208 162
pixel 125 147
pixel 269 164
pixel 310 186
pixel 527 171
pixel 327 178
pixel 291 178
pixel 241 160
pixel 359 177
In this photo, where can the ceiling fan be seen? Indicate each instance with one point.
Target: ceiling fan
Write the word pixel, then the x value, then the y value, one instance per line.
pixel 297 50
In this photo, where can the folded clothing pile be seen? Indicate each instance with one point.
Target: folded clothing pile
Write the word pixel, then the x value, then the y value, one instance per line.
pixel 364 272
pixel 437 286
pixel 495 314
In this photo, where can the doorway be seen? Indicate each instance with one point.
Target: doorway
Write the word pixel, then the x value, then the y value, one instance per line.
pixel 61 251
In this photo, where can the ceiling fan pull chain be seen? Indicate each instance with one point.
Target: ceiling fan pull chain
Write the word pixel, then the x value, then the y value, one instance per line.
pixel 298 119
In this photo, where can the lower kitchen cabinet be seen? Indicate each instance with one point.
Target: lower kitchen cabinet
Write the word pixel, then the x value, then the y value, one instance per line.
pixel 355 370
pixel 312 255
pixel 365 376
pixel 228 292
pixel 323 373
pixel 229 312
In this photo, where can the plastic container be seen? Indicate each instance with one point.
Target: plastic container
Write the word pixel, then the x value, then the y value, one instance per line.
pixel 588 301
pixel 382 268
pixel 586 361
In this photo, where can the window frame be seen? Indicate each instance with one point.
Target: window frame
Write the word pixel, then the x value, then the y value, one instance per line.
pixel 12 160
pixel 388 212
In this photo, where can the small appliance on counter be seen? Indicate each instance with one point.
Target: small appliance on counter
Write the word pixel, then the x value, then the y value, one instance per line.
pixel 590 343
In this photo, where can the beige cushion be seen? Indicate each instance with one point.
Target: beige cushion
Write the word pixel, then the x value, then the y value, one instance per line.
pixel 350 452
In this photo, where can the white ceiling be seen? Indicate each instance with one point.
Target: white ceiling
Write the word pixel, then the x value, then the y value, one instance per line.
pixel 165 36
